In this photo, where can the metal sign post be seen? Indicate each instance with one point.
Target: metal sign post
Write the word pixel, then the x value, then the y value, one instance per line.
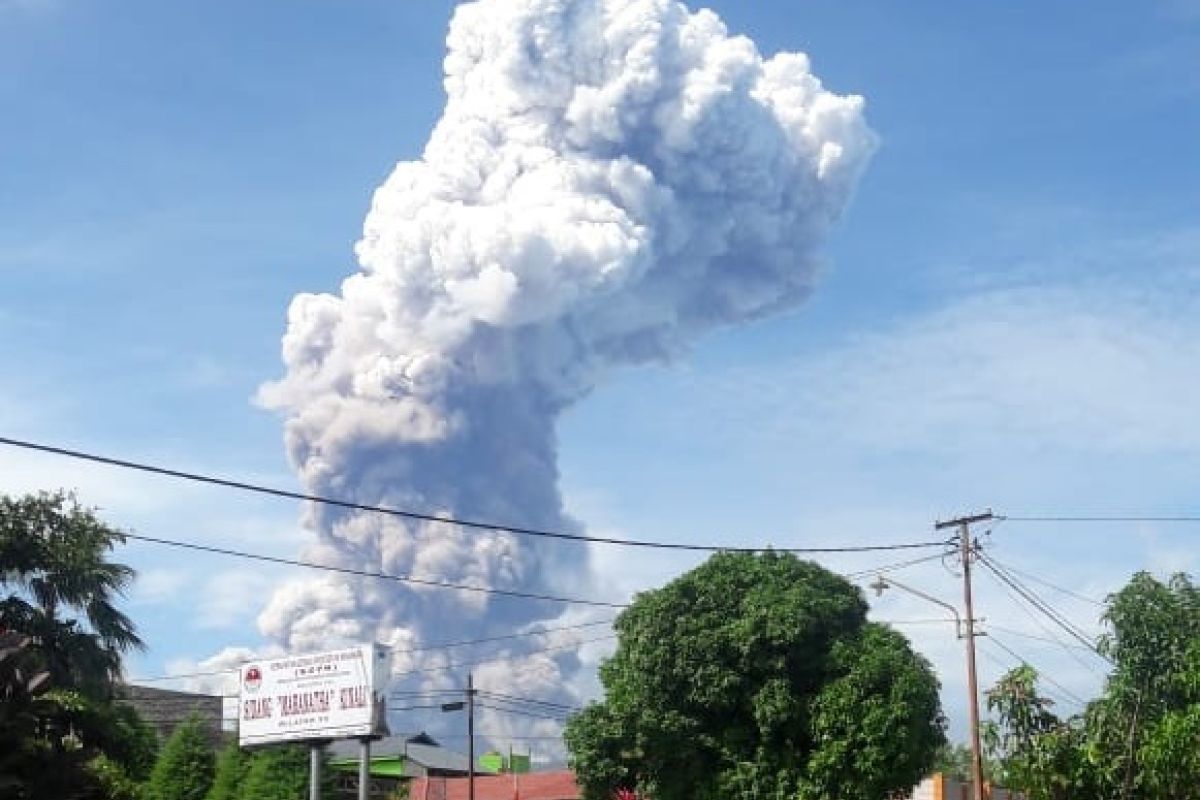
pixel 364 769
pixel 314 771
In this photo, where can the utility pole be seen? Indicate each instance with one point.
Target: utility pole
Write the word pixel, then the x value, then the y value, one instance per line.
pixel 470 736
pixel 966 547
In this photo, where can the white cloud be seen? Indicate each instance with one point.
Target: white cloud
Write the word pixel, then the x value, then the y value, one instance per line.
pixel 1091 369
pixel 230 600
pixel 158 585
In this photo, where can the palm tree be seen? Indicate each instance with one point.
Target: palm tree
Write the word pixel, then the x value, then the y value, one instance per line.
pixel 62 588
pixel 58 593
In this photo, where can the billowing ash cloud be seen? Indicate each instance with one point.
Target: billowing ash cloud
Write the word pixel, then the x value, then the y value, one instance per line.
pixel 610 180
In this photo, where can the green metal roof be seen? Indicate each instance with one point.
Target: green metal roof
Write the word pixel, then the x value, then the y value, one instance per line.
pixel 385 767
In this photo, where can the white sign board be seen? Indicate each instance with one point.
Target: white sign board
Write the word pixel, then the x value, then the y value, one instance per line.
pixel 332 695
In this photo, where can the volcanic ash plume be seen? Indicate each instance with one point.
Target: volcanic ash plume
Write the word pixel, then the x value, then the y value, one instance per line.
pixel 610 179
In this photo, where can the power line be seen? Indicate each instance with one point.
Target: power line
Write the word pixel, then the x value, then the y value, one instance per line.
pixel 1049 585
pixel 525 713
pixel 362 573
pixel 1006 667
pixel 466 642
pixel 892 567
pixel 502 737
pixel 1104 518
pixel 511 657
pixel 1041 673
pixel 1067 648
pixel 425 648
pixel 514 699
pixel 1046 610
pixel 245 486
pixel 1036 638
pixel 1071 628
pixel 160 678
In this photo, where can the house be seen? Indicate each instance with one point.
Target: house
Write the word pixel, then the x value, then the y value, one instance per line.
pixel 165 710
pixel 395 760
pixel 941 787
pixel 556 785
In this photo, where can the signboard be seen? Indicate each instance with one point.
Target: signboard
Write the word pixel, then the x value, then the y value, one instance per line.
pixel 338 694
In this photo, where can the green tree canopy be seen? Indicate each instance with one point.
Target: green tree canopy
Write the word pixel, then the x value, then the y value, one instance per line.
pixel 230 773
pixel 277 773
pixel 1138 739
pixel 757 676
pixel 61 735
pixel 184 770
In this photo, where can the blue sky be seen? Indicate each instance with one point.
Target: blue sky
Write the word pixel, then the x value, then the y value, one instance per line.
pixel 1008 318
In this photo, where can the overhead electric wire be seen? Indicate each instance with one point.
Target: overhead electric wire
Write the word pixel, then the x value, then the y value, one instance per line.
pixel 1007 583
pixel 161 678
pixel 1102 518
pixel 522 634
pixel 863 573
pixel 422 649
pixel 415 707
pixel 514 699
pixel 1032 597
pixel 1006 667
pixel 1048 584
pixel 1069 649
pixel 1041 673
pixel 1036 638
pixel 245 486
pixel 524 712
pixel 502 736
pixel 363 573
pixel 509 657
pixel 1024 604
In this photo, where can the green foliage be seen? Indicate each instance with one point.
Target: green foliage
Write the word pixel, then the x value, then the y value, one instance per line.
pixel 60 733
pixel 757 676
pixel 1037 752
pixel 230 773
pixel 1138 739
pixel 954 761
pixel 184 769
pixel 277 773
pixel 112 780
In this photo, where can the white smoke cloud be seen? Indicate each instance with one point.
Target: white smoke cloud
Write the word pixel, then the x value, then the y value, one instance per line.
pixel 610 180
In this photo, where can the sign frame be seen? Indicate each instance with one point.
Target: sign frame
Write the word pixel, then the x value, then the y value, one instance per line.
pixel 307 697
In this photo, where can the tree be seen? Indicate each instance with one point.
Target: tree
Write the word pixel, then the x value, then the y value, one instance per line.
pixel 184 770
pixel 757 676
pixel 954 761
pixel 1037 752
pixel 64 737
pixel 230 773
pixel 54 561
pixel 1137 739
pixel 277 773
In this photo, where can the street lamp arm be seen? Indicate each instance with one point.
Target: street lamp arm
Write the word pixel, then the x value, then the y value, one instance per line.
pixel 882 583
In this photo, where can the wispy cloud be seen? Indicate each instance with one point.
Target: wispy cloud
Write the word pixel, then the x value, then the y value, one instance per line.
pixel 230 600
pixel 1083 368
pixel 158 585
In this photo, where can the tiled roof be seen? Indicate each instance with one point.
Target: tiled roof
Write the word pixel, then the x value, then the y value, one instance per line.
pixel 559 785
pixel 165 710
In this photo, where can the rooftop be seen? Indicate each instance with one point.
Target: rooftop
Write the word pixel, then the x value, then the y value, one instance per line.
pixel 557 785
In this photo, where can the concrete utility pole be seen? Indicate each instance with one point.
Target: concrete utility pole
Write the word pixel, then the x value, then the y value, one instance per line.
pixel 470 736
pixel 966 548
